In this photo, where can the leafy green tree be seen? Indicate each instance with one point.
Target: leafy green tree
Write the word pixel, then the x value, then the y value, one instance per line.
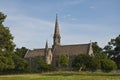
pixel 108 65
pixel 86 62
pixel 6 45
pixel 93 64
pixel 6 63
pixel 96 48
pixel 80 62
pixel 64 60
pixel 112 50
pixel 20 63
pixel 21 51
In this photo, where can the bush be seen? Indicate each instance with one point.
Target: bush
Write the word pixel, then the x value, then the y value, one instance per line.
pixel 85 62
pixel 6 63
pixel 64 60
pixel 93 64
pixel 20 63
pixel 108 65
pixel 118 61
pixel 42 66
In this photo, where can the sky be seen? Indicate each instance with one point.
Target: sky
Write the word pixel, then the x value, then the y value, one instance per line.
pixel 32 22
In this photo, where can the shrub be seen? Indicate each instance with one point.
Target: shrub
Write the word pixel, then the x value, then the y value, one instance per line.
pixel 20 63
pixel 86 62
pixel 64 60
pixel 42 66
pixel 93 64
pixel 108 65
pixel 81 62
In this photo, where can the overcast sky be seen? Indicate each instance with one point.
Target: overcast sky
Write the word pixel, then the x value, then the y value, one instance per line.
pixel 32 22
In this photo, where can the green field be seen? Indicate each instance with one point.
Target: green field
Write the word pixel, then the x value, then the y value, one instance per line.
pixel 63 76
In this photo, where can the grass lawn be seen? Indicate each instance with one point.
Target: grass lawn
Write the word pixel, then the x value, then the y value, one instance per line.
pixel 63 76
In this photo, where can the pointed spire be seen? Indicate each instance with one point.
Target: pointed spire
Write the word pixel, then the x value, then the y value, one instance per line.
pixel 46 46
pixel 56 32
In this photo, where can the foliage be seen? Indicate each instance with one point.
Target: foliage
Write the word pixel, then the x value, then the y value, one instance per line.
pixel 108 65
pixel 20 63
pixel 42 66
pixel 93 64
pixel 6 46
pixel 21 51
pixel 118 61
pixel 6 63
pixel 112 50
pixel 64 60
pixel 80 61
pixel 96 48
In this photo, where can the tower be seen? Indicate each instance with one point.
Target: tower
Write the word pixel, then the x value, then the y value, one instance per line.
pixel 48 54
pixel 56 37
pixel 46 47
pixel 46 51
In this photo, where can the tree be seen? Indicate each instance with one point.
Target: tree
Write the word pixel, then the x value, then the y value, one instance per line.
pixel 21 51
pixel 64 60
pixel 93 64
pixel 42 66
pixel 6 63
pixel 96 48
pixel 112 50
pixel 80 62
pixel 20 63
pixel 6 45
pixel 108 65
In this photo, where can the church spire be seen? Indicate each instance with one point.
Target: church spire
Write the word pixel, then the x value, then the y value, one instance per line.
pixel 46 46
pixel 56 32
pixel 56 36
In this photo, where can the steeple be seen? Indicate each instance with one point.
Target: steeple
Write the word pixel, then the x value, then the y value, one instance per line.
pixel 46 47
pixel 56 36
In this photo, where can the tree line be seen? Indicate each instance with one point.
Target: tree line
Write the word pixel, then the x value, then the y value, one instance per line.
pixel 12 59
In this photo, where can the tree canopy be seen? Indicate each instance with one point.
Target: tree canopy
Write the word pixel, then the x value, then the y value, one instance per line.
pixel 6 45
pixel 112 50
pixel 64 60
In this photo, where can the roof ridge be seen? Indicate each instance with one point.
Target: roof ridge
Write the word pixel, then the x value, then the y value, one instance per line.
pixel 75 44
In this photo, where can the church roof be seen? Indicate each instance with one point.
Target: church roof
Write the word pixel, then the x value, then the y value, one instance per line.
pixel 71 49
pixel 63 49
pixel 34 53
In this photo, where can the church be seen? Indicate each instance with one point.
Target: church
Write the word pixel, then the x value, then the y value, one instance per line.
pixel 52 55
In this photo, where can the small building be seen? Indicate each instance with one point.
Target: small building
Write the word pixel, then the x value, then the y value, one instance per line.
pixel 52 55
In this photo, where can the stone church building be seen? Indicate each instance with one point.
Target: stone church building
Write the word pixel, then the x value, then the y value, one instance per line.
pixel 52 55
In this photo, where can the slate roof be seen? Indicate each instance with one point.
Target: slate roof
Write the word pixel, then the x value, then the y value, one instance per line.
pixel 34 53
pixel 63 49
pixel 71 49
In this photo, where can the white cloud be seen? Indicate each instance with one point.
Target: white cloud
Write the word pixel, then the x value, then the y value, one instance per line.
pixel 92 7
pixel 29 31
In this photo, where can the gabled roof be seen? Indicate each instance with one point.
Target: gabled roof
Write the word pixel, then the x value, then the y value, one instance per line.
pixel 63 49
pixel 34 53
pixel 71 49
